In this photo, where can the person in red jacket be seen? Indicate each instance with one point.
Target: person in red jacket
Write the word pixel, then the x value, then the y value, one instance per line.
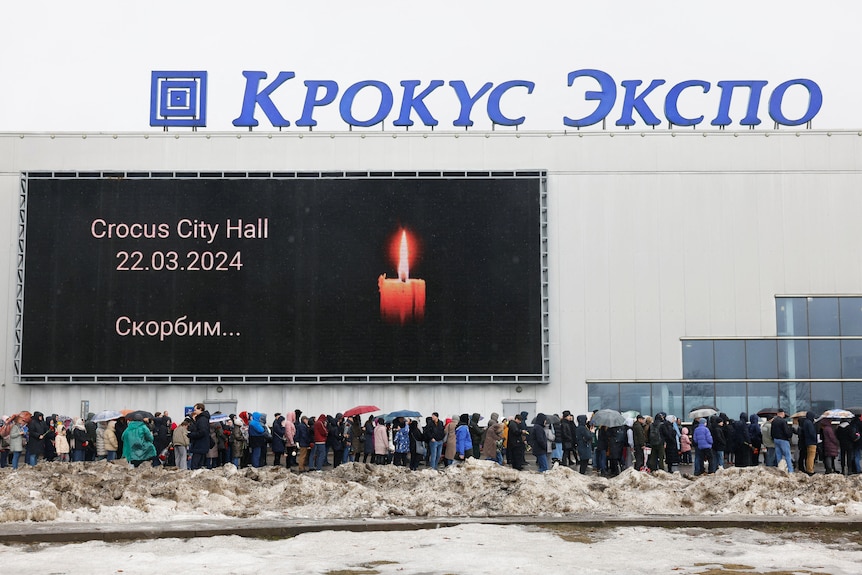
pixel 318 452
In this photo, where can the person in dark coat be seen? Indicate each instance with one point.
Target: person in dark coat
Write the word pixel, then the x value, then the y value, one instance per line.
pixel 584 441
pixel 717 427
pixel 539 442
pixel 515 445
pixel 567 437
pixel 476 435
pixel 845 445
pixel 39 434
pixel 161 432
pixel 830 446
pixel 742 441
pixel 756 437
pixel 616 442
pixel 808 441
pixel 199 436
pixel 278 444
pixel 640 439
pixel 671 451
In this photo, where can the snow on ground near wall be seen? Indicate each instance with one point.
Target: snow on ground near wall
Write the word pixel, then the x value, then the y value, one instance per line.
pixel 103 492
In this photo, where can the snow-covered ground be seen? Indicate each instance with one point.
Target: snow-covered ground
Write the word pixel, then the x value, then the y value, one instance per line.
pixel 101 492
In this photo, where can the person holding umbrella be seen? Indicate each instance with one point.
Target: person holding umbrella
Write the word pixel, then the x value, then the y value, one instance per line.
pixel 138 443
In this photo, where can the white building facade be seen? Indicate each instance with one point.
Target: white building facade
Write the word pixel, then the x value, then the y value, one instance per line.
pixel 664 251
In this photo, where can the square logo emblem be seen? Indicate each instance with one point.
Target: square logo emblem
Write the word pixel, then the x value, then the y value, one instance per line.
pixel 178 99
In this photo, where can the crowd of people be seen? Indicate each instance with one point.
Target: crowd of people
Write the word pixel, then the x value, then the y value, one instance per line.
pixel 304 443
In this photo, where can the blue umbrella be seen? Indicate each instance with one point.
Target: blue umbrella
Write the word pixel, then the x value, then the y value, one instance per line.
pixel 403 413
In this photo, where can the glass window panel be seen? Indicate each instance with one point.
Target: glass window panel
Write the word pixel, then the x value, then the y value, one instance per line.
pixel 791 315
pixel 636 396
pixel 603 396
pixel 697 359
pixel 667 397
pixel 794 396
pixel 761 359
pixel 825 395
pixel 696 394
pixel 851 315
pixel 823 316
pixel 730 397
pixel 851 359
pixel 729 359
pixel 852 394
pixel 825 358
pixel 793 359
pixel 762 395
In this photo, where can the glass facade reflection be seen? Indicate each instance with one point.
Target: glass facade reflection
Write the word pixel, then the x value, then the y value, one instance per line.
pixel 810 365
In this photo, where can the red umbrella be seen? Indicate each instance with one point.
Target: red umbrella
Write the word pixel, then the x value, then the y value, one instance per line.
pixel 360 409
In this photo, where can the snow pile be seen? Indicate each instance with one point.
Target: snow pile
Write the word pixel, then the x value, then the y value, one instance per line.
pixel 115 493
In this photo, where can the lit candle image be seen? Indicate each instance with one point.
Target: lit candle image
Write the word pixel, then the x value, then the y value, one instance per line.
pixel 402 300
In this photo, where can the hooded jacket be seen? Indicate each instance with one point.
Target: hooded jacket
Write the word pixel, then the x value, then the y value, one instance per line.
pixel 138 442
pixel 199 434
pixel 538 439
pixel 463 438
pixel 702 436
pixel 493 434
pixel 807 431
pixel 321 429
pixel 584 439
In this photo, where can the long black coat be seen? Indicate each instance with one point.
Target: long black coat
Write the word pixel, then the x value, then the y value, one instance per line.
pixel 199 433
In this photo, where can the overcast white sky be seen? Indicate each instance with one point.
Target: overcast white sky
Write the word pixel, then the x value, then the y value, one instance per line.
pixel 86 65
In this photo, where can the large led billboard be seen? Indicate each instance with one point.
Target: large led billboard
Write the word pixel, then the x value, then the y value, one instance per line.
pixel 284 276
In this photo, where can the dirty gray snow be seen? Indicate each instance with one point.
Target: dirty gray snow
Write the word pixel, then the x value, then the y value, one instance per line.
pixel 105 492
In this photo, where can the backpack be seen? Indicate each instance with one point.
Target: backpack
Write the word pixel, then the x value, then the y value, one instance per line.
pixel 655 433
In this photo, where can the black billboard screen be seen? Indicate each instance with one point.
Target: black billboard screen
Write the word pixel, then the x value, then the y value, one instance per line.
pixel 293 276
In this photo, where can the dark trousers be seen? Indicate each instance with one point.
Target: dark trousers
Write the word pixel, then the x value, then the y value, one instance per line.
pixel 639 457
pixel 517 457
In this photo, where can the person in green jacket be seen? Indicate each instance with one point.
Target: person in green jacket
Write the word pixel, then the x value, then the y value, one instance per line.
pixel 138 443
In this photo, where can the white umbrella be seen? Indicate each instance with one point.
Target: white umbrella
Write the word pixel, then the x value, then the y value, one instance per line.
pixel 702 412
pixel 608 418
pixel 107 415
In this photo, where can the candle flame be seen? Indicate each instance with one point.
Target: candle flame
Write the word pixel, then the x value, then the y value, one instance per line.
pixel 403 258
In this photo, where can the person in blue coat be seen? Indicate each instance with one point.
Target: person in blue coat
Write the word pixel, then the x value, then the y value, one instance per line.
pixel 703 440
pixel 463 443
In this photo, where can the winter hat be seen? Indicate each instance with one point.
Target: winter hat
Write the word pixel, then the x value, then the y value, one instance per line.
pixel 566 413
pixel 464 418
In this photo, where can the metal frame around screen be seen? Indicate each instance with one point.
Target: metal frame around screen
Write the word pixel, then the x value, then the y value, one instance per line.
pixel 543 377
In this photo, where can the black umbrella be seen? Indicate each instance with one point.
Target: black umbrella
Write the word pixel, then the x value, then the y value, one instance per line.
pixel 855 410
pixel 139 415
pixel 767 411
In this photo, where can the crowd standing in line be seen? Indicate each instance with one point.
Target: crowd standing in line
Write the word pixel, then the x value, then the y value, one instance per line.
pixel 304 443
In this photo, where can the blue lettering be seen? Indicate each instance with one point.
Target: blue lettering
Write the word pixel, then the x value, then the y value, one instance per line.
pixel 467 101
pixel 346 106
pixel 671 103
pixel 253 97
pixel 632 102
pixel 415 102
pixel 815 102
pixel 494 112
pixel 312 101
pixel 606 97
pixel 727 87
